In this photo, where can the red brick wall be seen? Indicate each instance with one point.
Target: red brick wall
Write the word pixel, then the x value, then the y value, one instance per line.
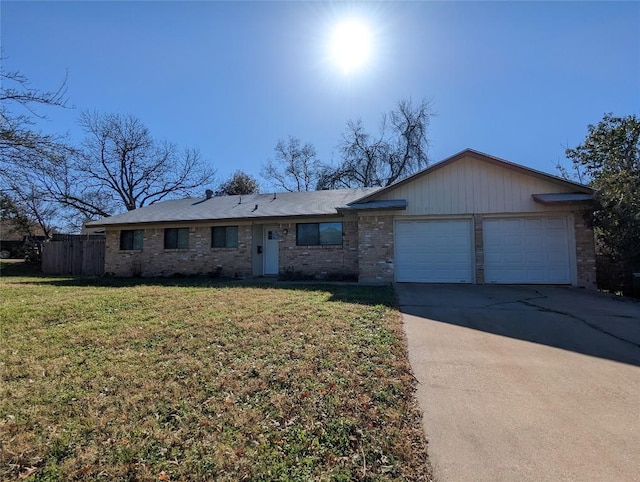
pixel 375 248
pixel 320 262
pixel 199 258
pixel 478 240
pixel 585 252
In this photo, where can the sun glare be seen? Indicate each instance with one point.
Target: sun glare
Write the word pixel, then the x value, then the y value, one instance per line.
pixel 350 46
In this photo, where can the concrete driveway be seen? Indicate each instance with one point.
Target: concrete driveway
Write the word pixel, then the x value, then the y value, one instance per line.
pixel 526 383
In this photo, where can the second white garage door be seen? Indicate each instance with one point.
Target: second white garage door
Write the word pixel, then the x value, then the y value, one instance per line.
pixel 526 250
pixel 437 251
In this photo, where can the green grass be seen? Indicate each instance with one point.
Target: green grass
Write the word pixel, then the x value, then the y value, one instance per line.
pixel 197 380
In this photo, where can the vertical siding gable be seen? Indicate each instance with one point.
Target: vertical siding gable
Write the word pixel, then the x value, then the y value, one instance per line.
pixel 470 185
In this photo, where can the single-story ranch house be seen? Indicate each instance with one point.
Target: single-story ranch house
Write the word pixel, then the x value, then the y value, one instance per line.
pixel 471 218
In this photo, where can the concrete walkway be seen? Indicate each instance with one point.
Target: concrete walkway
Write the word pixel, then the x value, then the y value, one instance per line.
pixel 526 383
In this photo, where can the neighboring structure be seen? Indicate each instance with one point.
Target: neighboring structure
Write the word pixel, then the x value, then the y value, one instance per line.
pixel 15 238
pixel 471 218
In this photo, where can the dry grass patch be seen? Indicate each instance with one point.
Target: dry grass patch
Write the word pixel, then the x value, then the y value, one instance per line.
pixel 187 380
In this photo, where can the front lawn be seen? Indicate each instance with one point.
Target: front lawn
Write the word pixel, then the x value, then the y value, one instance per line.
pixel 198 380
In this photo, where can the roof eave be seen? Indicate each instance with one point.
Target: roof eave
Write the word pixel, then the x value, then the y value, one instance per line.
pixel 174 222
pixel 563 200
pixel 392 205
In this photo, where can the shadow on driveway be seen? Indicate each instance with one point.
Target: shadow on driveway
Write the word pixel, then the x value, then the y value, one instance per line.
pixel 525 383
pixel 581 321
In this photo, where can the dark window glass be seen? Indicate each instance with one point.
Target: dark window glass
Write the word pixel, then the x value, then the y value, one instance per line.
pixel 131 239
pixel 330 233
pixel 319 234
pixel 224 237
pixel 176 238
pixel 307 234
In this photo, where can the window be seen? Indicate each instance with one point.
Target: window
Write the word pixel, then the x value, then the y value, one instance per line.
pixel 319 234
pixel 176 238
pixel 131 239
pixel 224 237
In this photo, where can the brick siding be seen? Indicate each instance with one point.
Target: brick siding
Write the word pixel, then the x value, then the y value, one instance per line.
pixel 320 262
pixel 199 258
pixel 478 240
pixel 375 248
pixel 585 252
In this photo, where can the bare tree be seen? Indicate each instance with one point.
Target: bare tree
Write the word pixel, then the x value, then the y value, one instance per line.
pixel 239 183
pixel 28 155
pixel 119 167
pixel 19 103
pixel 122 167
pixel 296 167
pixel 31 199
pixel 399 150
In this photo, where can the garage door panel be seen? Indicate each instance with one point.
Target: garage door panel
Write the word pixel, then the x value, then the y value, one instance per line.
pixel 556 257
pixel 511 240
pixel 533 241
pixel 530 225
pixel 532 258
pixel 556 223
pixel 437 251
pixel 527 250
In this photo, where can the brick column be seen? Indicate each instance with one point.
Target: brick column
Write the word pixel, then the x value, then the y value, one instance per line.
pixel 478 241
pixel 375 248
pixel 585 252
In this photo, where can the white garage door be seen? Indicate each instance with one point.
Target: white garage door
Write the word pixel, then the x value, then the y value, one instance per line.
pixel 434 251
pixel 526 250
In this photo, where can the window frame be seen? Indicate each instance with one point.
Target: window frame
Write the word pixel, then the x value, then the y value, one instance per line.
pixel 318 241
pixel 177 238
pixel 128 238
pixel 227 234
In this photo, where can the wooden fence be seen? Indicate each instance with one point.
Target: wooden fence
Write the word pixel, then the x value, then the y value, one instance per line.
pixel 74 256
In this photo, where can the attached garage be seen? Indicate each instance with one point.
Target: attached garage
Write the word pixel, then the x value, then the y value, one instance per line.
pixel 527 250
pixel 474 218
pixel 434 251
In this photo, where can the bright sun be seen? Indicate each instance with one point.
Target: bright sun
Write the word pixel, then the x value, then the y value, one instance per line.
pixel 350 45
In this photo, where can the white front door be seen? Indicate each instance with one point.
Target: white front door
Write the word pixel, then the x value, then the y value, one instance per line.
pixel 271 250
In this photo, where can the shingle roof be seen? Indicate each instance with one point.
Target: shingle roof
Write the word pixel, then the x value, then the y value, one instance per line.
pixel 252 206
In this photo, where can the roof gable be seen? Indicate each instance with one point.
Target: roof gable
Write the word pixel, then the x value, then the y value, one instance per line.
pixel 485 158
pixel 471 182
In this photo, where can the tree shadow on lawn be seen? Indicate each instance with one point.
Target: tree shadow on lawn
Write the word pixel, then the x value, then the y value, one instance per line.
pixel 339 291
pixel 19 267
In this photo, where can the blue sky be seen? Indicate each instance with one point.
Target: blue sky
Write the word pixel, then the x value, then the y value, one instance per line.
pixel 517 80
